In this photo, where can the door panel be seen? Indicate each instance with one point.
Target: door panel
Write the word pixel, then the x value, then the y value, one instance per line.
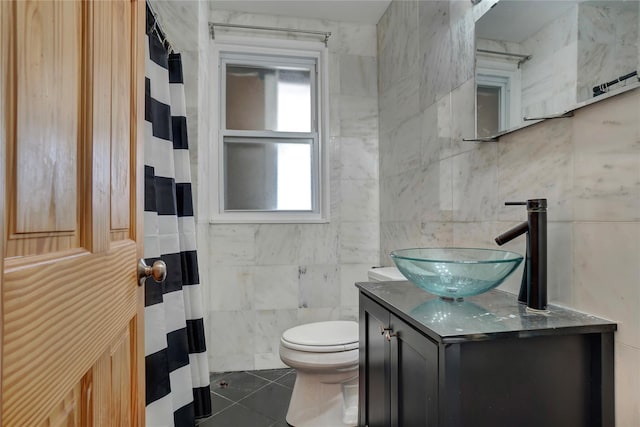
pixel 47 60
pixel 71 82
pixel 120 358
pixel 58 318
pixel 43 86
pixel 120 123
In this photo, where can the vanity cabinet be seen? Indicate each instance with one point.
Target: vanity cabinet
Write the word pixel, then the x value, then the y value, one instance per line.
pixel 486 361
pixel 399 363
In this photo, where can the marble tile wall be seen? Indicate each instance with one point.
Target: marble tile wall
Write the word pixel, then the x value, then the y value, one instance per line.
pixel 262 279
pixel 265 278
pixel 437 190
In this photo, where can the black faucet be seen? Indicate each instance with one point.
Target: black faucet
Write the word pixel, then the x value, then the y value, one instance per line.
pixel 533 288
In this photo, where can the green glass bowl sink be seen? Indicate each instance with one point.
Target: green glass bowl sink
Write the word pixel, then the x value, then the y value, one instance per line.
pixel 454 273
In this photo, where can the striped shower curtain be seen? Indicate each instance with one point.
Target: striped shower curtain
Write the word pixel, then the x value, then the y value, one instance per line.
pixel 177 371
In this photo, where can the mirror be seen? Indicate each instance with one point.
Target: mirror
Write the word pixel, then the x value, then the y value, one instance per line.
pixel 536 59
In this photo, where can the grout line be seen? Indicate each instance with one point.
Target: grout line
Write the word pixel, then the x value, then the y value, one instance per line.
pixel 238 402
pixel 256 375
pixel 222 410
pixel 224 397
pixel 274 380
pixel 249 394
pixel 253 392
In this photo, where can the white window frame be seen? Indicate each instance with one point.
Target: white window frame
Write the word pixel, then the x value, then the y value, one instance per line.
pixel 320 168
pixel 507 76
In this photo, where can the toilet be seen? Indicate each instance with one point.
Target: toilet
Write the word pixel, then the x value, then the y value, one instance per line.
pixel 325 357
pixel 385 274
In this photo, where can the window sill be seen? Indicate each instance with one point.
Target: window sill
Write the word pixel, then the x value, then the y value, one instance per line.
pixel 269 219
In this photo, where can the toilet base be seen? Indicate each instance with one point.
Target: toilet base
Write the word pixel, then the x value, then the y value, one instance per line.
pixel 315 403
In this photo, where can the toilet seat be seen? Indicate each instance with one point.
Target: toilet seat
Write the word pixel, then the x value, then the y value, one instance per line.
pixel 322 337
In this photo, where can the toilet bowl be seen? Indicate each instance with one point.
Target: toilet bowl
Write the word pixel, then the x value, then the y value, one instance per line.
pixel 325 357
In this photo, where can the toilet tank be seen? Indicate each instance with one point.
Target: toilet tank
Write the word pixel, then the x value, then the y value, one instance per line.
pixel 385 274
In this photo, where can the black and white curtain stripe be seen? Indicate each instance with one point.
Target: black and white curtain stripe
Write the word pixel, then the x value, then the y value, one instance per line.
pixel 176 365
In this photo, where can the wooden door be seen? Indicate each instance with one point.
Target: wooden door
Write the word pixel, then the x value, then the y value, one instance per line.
pixel 71 121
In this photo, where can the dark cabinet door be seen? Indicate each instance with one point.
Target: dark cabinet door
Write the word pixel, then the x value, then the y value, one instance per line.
pixel 414 377
pixel 374 380
pixel 398 371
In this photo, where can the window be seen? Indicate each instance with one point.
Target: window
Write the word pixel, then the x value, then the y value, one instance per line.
pixel 269 161
pixel 492 104
pixel 497 96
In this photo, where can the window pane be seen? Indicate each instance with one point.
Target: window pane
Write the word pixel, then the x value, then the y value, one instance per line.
pixel 262 98
pixel 294 177
pixel 269 176
pixel 488 105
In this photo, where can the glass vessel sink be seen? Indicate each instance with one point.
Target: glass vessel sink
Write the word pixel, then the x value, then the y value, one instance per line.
pixel 454 273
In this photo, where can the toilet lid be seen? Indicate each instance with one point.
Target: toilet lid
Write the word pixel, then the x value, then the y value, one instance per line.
pixel 335 335
pixel 385 274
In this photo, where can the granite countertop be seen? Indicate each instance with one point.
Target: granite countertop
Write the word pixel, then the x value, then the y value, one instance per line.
pixel 492 315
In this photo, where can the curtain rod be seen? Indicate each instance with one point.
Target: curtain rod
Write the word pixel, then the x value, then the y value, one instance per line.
pixel 523 58
pixel 255 27
pixel 602 88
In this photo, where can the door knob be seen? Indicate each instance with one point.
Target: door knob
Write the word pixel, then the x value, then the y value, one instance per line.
pixel 158 271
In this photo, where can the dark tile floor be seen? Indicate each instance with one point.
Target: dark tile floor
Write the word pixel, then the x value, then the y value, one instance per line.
pixel 250 398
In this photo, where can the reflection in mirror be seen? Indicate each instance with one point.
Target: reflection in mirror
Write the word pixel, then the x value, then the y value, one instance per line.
pixel 607 46
pixel 488 104
pixel 538 59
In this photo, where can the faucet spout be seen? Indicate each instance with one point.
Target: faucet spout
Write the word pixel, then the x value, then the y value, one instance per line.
pixel 516 231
